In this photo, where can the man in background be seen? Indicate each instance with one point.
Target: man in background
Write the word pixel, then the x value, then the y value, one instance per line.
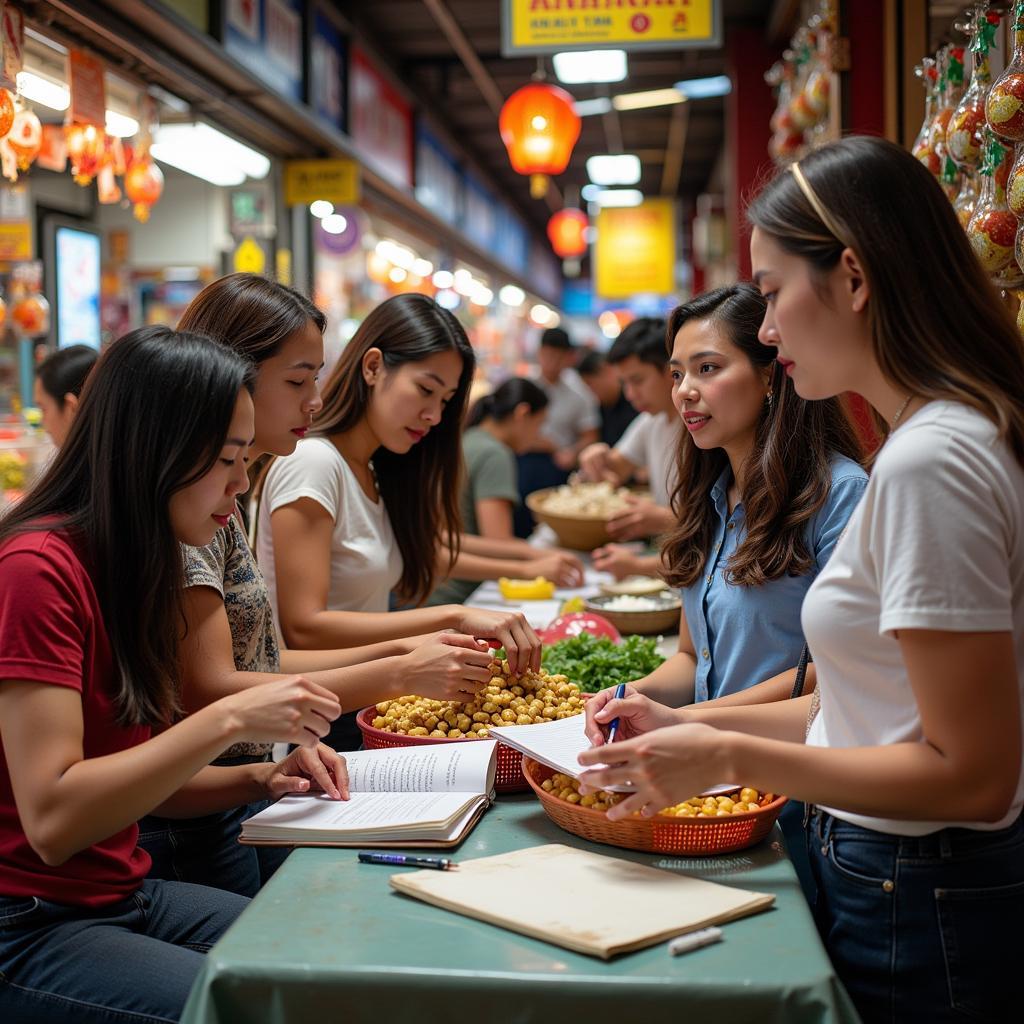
pixel 616 411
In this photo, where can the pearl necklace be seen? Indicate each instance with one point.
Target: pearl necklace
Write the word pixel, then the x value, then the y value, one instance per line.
pixel 899 412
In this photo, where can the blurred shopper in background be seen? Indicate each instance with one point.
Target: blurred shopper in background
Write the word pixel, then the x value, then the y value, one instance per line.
pixel 59 381
pixel 616 411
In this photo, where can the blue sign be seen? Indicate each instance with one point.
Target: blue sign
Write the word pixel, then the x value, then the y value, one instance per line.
pixel 479 223
pixel 438 181
pixel 512 243
pixel 327 75
pixel 266 36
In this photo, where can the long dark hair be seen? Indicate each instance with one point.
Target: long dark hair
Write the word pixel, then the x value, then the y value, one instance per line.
pixel 938 327
pixel 505 399
pixel 64 372
pixel 788 472
pixel 153 419
pixel 419 489
pixel 251 314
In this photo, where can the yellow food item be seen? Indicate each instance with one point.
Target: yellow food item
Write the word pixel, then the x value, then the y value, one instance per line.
pixel 572 604
pixel 723 805
pixel 507 699
pixel 537 589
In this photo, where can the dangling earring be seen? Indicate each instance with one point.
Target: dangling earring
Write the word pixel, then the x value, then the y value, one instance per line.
pixel 768 398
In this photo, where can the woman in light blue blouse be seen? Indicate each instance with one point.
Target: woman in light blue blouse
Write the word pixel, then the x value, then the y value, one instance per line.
pixel 767 484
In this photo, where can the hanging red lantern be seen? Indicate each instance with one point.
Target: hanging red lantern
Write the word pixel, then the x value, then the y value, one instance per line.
pixel 143 184
pixel 539 126
pixel 6 112
pixel 567 233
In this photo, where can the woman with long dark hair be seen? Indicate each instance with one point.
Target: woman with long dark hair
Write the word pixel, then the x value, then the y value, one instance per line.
pixel 60 378
pixel 368 505
pixel 91 595
pixel 499 427
pixel 230 643
pixel 912 761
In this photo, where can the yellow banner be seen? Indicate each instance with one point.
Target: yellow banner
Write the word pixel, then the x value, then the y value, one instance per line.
pixel 550 26
pixel 635 251
pixel 306 181
pixel 15 241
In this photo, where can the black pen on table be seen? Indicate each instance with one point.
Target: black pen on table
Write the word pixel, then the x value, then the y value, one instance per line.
pixel 408 860
pixel 620 692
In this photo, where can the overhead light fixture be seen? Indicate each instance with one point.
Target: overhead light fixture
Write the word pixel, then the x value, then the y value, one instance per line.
pixel 614 169
pixel 397 274
pixel 620 197
pixel 38 89
pixel 464 282
pixel 601 105
pixel 510 295
pixel 650 98
pixel 443 279
pixel 422 268
pixel 481 294
pixel 334 223
pixel 705 88
pixel 201 150
pixel 447 299
pixel 578 67
pixel 589 193
pixel 542 315
pixel 121 125
pixel 320 208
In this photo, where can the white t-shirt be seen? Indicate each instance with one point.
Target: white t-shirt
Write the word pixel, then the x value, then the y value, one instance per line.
pixel 937 542
pixel 652 442
pixel 365 561
pixel 571 409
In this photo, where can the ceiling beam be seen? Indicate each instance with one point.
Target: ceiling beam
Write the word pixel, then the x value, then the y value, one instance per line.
pixel 675 145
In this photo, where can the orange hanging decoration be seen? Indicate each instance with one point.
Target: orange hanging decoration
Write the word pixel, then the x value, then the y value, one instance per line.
pixel 22 143
pixel 31 315
pixel 143 184
pixel 6 112
pixel 85 151
pixel 567 233
pixel 539 126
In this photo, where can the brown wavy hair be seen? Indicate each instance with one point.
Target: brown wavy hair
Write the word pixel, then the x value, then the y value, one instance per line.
pixel 938 327
pixel 420 489
pixel 788 473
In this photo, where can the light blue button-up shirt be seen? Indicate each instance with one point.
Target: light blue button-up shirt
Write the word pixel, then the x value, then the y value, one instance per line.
pixel 744 635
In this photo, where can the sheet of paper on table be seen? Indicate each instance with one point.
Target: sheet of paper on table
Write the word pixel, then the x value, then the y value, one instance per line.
pixel 588 902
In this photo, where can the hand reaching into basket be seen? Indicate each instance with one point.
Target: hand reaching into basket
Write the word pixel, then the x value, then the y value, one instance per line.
pixel 507 629
pixel 637 715
pixel 662 767
pixel 447 666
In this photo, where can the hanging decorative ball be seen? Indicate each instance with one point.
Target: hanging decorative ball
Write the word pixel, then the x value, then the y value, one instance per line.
pixel 567 233
pixel 25 137
pixel 539 126
pixel 6 112
pixel 31 315
pixel 143 184
pixel 85 151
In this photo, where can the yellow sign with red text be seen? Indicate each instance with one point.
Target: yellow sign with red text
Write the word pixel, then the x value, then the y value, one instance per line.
pixel 550 26
pixel 635 253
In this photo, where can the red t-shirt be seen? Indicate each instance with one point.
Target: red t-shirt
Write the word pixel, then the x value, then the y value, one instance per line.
pixel 52 633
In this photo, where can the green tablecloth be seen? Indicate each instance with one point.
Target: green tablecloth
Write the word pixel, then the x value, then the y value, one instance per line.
pixel 328 940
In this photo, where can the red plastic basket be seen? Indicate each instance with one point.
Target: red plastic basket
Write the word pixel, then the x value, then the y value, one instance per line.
pixel 508 777
pixel 660 834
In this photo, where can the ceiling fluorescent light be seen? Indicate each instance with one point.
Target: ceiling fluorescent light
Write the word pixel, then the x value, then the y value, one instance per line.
pixel 620 197
pixel 578 67
pixel 705 88
pixel 121 125
pixel 601 105
pixel 590 192
pixel 207 153
pixel 651 98
pixel 43 91
pixel 614 169
pixel 196 164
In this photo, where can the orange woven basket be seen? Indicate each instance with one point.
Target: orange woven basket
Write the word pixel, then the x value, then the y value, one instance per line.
pixel 660 834
pixel 508 776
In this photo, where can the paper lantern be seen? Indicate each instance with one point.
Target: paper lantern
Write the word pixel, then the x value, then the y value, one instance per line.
pixel 25 137
pixel 567 233
pixel 6 112
pixel 143 185
pixel 539 126
pixel 85 151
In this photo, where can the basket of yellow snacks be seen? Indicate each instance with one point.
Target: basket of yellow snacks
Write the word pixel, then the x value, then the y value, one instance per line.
pixel 698 826
pixel 526 699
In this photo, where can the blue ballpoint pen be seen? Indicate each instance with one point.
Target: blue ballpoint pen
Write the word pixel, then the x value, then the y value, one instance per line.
pixel 408 860
pixel 620 692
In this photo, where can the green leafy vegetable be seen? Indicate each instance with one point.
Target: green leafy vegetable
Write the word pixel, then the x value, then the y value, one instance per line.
pixel 594 663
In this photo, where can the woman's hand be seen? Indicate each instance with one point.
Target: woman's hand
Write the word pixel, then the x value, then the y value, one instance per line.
pixel 509 630
pixel 618 560
pixel 643 518
pixel 661 768
pixel 308 769
pixel 447 666
pixel 291 710
pixel 636 713
pixel 562 568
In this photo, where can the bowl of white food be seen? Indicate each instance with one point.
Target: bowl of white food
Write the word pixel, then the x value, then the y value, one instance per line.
pixel 629 613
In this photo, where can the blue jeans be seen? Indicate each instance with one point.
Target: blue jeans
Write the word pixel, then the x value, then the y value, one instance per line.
pixel 134 961
pixel 206 851
pixel 921 929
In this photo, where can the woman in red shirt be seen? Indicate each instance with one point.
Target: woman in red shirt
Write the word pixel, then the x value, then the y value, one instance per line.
pixel 90 604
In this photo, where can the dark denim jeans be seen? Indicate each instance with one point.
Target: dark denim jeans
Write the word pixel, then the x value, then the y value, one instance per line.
pixel 132 962
pixel 206 851
pixel 922 929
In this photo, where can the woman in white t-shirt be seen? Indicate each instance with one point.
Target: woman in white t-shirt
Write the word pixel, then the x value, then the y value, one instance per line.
pixel 913 763
pixel 363 507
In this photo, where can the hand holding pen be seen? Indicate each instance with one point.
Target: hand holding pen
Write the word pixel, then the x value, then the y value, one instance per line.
pixel 636 714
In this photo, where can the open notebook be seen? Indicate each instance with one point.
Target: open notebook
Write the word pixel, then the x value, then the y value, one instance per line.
pixel 592 903
pixel 558 744
pixel 401 796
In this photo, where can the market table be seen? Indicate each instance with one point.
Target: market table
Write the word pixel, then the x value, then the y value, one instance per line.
pixel 327 939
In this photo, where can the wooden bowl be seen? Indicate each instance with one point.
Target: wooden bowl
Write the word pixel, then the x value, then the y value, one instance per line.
pixel 661 619
pixel 580 533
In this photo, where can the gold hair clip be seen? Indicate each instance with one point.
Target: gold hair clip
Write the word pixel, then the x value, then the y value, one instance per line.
pixel 816 203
